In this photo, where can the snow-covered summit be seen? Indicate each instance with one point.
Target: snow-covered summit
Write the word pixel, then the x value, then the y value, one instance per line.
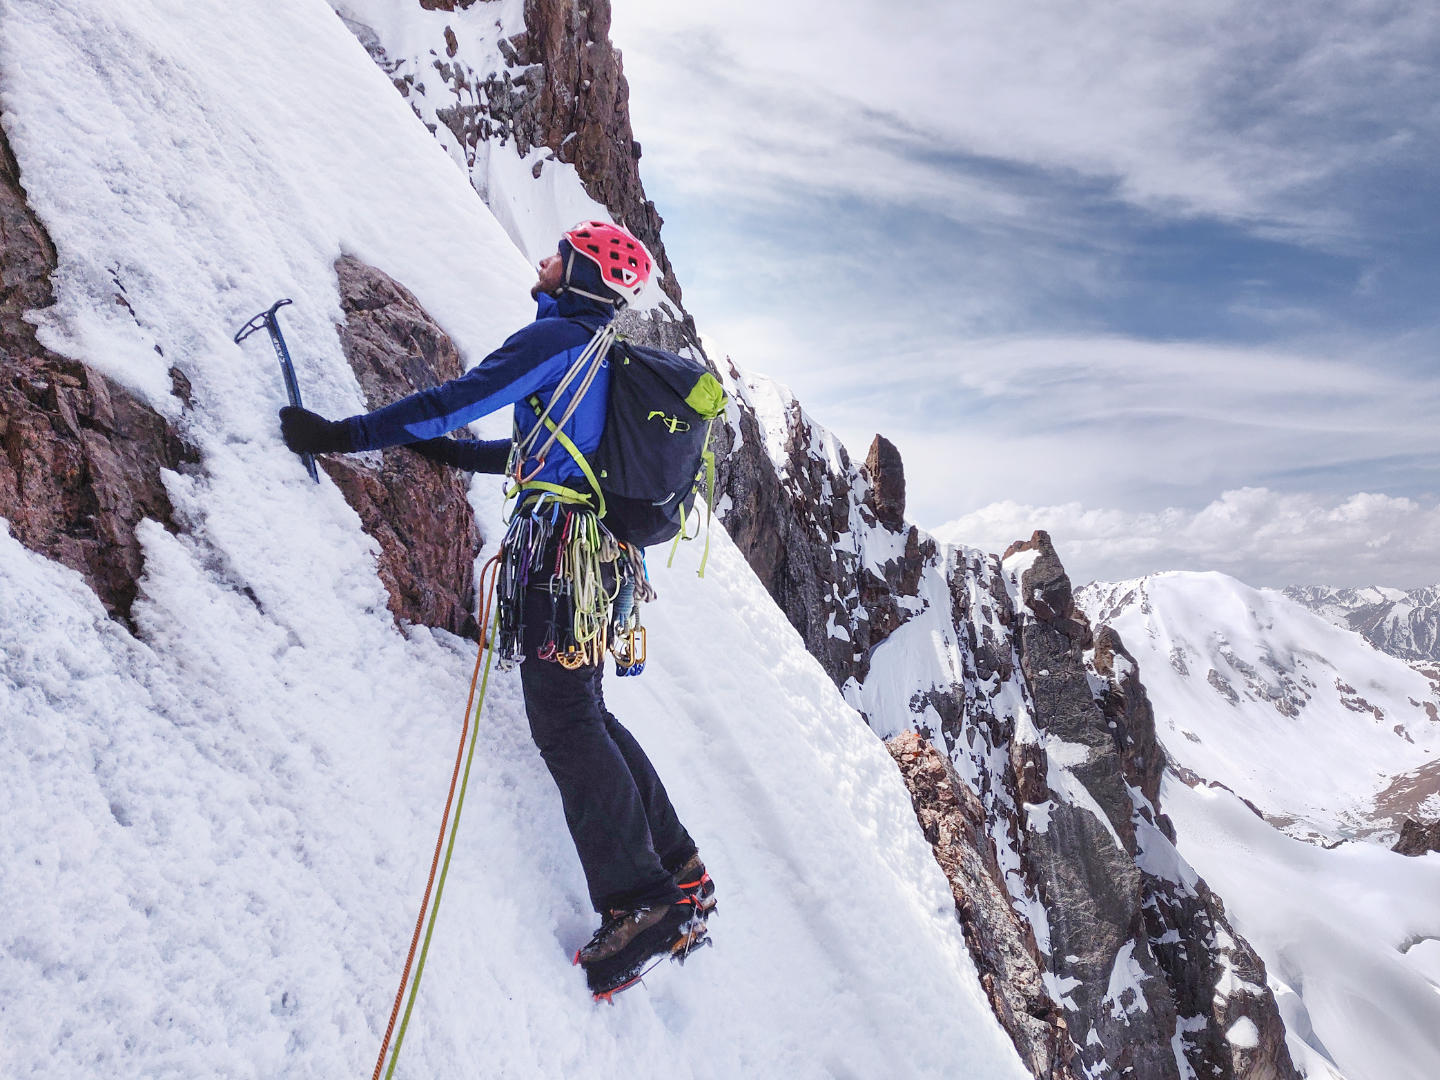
pixel 1298 716
pixel 1259 701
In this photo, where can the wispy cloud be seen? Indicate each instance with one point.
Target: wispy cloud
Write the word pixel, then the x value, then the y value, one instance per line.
pixel 1121 422
pixel 1224 108
pixel 1262 537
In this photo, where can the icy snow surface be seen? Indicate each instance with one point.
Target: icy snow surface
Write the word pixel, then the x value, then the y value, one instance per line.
pixel 214 838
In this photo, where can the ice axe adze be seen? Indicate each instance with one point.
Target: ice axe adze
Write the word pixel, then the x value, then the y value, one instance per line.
pixel 268 320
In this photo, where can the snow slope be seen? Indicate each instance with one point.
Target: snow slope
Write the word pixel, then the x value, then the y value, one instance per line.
pixel 1255 693
pixel 213 838
pixel 1302 718
pixel 1345 935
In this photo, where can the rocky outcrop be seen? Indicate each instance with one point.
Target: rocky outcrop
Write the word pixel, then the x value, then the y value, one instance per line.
pixel 1418 838
pixel 580 109
pixel 887 472
pixel 1229 1024
pixel 1140 940
pixel 558 87
pixel 1001 941
pixel 83 457
pixel 416 510
pixel 1083 857
pixel 802 514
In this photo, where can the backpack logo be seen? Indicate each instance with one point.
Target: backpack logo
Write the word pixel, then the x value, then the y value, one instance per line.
pixel 672 423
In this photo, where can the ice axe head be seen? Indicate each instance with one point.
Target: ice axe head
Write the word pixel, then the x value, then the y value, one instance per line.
pixel 261 321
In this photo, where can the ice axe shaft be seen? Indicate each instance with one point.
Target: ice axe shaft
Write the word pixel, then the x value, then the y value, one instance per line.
pixel 267 320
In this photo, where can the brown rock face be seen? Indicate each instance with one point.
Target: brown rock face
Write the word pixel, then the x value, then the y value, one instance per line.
pixel 582 113
pixel 887 474
pixel 82 455
pixel 561 88
pixel 1418 838
pixel 415 509
pixel 1001 941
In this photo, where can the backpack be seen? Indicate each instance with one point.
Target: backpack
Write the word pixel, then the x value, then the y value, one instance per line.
pixel 652 458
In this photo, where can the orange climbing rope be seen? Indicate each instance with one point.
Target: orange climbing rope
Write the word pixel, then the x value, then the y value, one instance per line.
pixel 487 599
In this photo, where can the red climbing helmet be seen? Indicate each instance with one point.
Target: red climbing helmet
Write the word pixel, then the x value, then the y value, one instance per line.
pixel 624 263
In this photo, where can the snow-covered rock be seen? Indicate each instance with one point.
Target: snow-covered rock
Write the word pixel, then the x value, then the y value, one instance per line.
pixel 1326 736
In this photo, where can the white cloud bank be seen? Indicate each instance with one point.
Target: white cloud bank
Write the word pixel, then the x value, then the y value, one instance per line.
pixel 1257 535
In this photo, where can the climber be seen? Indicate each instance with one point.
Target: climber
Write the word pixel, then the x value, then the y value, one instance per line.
pixel 643 870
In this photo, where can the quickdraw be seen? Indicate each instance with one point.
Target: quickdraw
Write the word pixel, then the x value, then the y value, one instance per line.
pixel 627 642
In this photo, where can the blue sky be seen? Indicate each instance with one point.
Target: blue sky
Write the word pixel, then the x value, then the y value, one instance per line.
pixel 1158 278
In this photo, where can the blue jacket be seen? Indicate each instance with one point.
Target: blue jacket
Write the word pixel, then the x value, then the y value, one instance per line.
pixel 532 361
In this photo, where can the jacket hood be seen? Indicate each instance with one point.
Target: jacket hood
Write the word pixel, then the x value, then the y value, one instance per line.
pixel 583 275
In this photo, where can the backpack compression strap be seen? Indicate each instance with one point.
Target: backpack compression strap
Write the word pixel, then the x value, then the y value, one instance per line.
pixel 708 457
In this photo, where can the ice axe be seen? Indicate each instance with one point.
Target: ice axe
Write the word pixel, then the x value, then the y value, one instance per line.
pixel 268 320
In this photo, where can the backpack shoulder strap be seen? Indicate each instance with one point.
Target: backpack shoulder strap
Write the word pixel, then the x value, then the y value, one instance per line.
pixel 557 435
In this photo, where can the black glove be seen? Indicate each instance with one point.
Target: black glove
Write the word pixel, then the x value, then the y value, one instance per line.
pixel 472 455
pixel 306 432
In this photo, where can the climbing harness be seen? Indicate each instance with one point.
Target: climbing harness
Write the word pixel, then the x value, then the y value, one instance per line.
pixel 593 581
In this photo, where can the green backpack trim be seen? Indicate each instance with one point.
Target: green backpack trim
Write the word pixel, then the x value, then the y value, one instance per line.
pixel 707 397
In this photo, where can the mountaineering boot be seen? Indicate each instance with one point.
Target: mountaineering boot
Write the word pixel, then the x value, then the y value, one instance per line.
pixel 628 940
pixel 692 880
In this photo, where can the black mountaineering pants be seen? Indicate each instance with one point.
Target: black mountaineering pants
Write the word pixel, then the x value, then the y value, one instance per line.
pixel 625 830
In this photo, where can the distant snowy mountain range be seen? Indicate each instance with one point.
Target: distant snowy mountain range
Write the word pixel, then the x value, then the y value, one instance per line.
pixel 1403 624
